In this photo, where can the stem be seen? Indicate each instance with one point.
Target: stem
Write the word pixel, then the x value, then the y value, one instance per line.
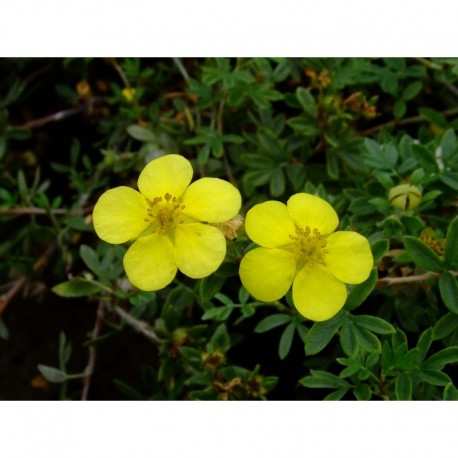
pixel 92 352
pixel 181 68
pixel 410 279
pixel 140 326
pixel 44 211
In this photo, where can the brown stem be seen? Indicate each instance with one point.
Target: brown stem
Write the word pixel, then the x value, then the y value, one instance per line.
pixel 92 352
pixel 410 279
pixel 50 118
pixel 21 281
pixel 43 211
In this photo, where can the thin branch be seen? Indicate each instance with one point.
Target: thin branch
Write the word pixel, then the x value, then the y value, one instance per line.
pixel 140 326
pixel 21 281
pixel 410 279
pixel 92 352
pixel 43 211
pixel 181 68
pixel 50 118
pixel 405 121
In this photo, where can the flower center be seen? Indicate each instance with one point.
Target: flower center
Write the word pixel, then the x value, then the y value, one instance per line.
pixel 310 245
pixel 163 213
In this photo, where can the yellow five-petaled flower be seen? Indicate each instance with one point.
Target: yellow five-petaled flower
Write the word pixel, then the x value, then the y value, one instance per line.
pixel 298 247
pixel 168 220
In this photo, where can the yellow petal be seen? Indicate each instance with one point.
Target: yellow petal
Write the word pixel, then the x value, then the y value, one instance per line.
pixel 167 174
pixel 350 257
pixel 149 262
pixel 119 215
pixel 199 249
pixel 269 224
pixel 267 273
pixel 317 294
pixel 212 200
pixel 314 212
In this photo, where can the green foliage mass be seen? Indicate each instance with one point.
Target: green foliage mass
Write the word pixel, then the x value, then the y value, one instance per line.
pixel 347 130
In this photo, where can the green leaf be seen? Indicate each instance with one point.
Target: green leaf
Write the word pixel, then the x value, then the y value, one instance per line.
pixel 450 179
pixel 4 333
pixel 218 313
pixel 424 343
pixel 321 333
pixel 220 338
pixel 448 287
pixel 209 286
pixel 286 340
pixel 411 90
pixel 399 109
pixel 90 258
pixel 451 245
pixel 445 326
pixel 76 288
pixel 434 377
pixel 272 321
pixel 359 293
pixel 422 255
pixel 337 395
pixel 362 392
pixel 332 164
pixel 52 374
pixel 367 340
pixel 348 338
pixel 450 393
pixel 434 117
pixel 323 379
pixel 403 387
pixel 441 358
pixel 448 144
pixel 277 182
pixel 373 323
pixel 379 248
pixel 305 98
pixel 140 133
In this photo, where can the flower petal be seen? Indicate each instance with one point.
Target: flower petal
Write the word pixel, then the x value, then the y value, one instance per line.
pixel 317 294
pixel 267 273
pixel 119 215
pixel 199 249
pixel 167 174
pixel 350 257
pixel 149 263
pixel 269 224
pixel 212 200
pixel 314 212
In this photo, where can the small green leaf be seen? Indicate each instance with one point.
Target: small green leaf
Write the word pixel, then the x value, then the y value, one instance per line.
pixel 336 395
pixel 286 340
pixel 434 377
pixel 373 323
pixel 441 358
pixel 411 90
pixel 220 338
pixel 445 326
pixel 379 248
pixel 90 258
pixel 209 286
pixel 362 392
pixel 4 333
pixel 277 182
pixel 422 255
pixel 424 343
pixel 218 313
pixel 272 321
pixel 434 117
pixel 321 333
pixel 140 133
pixel 403 387
pixel 307 101
pixel 76 288
pixel 348 338
pixel 323 379
pixel 399 109
pixel 359 293
pixel 52 374
pixel 450 393
pixel 367 340
pixel 448 287
pixel 451 245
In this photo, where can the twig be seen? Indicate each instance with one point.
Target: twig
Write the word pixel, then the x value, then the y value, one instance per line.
pixel 50 118
pixel 43 211
pixel 92 352
pixel 410 279
pixel 21 281
pixel 140 326
pixel 181 68
pixel 402 122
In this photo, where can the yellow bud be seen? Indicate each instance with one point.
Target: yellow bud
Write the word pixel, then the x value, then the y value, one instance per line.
pixel 128 93
pixel 405 196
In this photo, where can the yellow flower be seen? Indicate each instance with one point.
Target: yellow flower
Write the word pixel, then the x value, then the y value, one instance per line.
pixel 167 220
pixel 298 246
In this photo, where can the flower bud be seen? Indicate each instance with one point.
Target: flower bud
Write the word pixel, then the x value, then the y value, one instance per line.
pixel 405 196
